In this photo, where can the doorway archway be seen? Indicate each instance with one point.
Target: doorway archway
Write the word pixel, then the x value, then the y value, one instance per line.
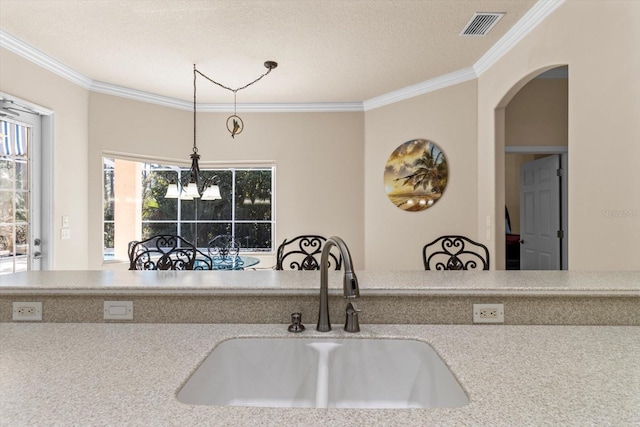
pixel 531 121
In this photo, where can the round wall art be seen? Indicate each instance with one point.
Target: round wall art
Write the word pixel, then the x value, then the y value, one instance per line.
pixel 415 175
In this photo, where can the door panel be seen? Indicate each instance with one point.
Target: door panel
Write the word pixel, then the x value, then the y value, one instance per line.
pixel 540 214
pixel 528 207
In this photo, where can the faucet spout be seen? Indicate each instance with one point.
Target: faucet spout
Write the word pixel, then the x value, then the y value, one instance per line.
pixel 350 281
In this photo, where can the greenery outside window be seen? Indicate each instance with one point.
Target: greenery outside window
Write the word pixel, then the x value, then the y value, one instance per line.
pixel 135 207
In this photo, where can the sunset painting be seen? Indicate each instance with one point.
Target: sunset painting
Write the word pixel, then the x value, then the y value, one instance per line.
pixel 415 175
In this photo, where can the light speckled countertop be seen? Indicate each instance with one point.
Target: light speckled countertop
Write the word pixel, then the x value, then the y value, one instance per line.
pixel 128 374
pixel 307 282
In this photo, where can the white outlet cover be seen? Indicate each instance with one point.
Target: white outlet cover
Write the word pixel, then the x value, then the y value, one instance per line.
pixel 118 310
pixel 478 308
pixel 65 233
pixel 20 306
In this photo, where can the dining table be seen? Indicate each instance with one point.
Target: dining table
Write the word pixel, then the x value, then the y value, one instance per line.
pixel 236 262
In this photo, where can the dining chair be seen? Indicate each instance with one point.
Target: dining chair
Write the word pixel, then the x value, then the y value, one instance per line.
pixel 202 261
pixel 303 253
pixel 455 253
pixel 161 252
pixel 224 251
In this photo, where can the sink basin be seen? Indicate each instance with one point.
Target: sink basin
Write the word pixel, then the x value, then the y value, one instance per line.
pixel 323 373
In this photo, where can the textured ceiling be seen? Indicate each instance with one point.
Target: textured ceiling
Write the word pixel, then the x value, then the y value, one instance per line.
pixel 327 50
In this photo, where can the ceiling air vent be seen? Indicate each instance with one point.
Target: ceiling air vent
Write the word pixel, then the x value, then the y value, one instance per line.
pixel 481 23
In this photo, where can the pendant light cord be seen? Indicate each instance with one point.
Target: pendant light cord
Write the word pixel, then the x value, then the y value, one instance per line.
pixel 195 175
pixel 195 147
pixel 270 65
pixel 269 68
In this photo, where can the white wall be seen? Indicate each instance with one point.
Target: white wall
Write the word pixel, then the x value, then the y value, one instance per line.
pixel 538 114
pixel 318 156
pixel 23 79
pixel 599 43
pixel 393 237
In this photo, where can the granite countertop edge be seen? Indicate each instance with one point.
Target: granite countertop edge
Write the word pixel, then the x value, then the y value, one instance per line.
pixel 130 374
pixel 385 283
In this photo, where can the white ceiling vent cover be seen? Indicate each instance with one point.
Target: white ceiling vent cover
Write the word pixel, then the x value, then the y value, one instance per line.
pixel 481 23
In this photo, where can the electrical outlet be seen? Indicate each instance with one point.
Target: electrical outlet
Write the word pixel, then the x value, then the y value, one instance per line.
pixel 27 311
pixel 488 313
pixel 118 310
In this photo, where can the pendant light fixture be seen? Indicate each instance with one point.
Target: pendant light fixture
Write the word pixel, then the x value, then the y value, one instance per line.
pixel 195 185
pixel 235 125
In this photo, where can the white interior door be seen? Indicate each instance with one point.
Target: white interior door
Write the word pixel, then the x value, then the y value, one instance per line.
pixel 540 221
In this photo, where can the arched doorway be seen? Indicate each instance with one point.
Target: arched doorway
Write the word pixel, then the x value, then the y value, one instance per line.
pixel 532 141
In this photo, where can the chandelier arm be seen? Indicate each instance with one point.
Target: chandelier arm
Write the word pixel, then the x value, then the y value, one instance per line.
pixel 212 180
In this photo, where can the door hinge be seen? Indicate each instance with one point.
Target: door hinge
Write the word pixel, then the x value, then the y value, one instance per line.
pixel 559 172
pixel 560 234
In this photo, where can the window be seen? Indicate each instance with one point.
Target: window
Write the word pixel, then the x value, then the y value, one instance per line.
pixel 135 207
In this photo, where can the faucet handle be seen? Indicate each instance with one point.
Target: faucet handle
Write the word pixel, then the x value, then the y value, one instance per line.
pixel 296 323
pixel 351 323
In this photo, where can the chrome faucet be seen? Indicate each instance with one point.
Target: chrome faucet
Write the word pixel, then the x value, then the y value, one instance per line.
pixel 350 281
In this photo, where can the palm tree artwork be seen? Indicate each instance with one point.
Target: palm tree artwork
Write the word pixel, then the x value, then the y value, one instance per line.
pixel 415 175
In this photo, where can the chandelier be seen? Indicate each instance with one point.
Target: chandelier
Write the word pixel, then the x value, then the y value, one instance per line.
pixel 194 184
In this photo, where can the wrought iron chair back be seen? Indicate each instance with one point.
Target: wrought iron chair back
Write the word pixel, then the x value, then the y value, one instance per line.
pixel 162 252
pixel 202 261
pixel 224 252
pixel 303 253
pixel 455 253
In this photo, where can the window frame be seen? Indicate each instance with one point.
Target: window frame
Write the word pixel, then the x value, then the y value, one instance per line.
pixel 148 161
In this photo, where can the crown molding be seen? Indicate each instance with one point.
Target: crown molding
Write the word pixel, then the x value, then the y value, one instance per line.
pixel 166 101
pixel 312 107
pixel 527 23
pixel 139 95
pixel 20 48
pixel 420 88
pixel 28 52
pixel 524 26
